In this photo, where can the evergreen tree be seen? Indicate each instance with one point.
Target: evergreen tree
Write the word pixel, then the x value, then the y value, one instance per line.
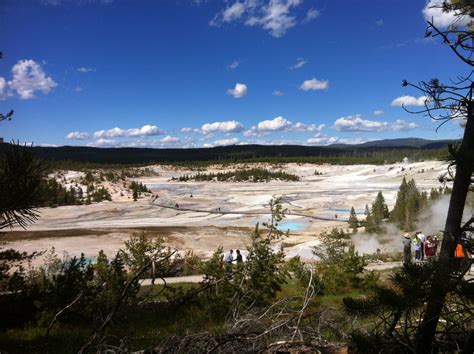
pixel 379 210
pixel 370 226
pixel 353 221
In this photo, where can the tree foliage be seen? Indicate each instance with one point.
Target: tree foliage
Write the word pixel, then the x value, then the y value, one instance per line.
pixel 21 174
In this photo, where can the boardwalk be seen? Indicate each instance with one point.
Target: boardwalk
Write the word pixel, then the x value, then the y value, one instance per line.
pixel 224 212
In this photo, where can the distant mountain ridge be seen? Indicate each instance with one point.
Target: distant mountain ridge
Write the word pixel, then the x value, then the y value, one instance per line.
pixel 369 152
pixel 400 143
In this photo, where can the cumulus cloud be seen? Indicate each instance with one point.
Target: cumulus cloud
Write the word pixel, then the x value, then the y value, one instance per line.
pixel 78 136
pixel 409 101
pixel 277 93
pixel 239 91
pixel 433 11
pixel 314 85
pixel 378 113
pixel 275 16
pixel 170 139
pixel 104 143
pixel 320 139
pixel 358 124
pixel 146 130
pixel 300 127
pixel 231 126
pixel 281 124
pixel 28 77
pixel 276 124
pixel 83 69
pixel 300 62
pixel 223 142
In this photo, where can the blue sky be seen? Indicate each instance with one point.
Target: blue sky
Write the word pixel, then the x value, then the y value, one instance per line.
pixel 190 73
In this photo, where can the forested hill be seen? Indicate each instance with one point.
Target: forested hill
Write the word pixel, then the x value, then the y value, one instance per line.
pixel 371 152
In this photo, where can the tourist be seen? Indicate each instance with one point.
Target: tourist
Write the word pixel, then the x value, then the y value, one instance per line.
pixel 422 239
pixel 430 247
pixel 228 259
pixel 459 254
pixel 238 258
pixel 417 243
pixel 406 249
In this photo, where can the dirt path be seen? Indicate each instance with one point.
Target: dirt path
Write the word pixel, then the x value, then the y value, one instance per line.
pixel 199 278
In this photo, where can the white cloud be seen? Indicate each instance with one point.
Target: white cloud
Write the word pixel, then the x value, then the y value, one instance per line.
pixel 239 91
pixel 300 127
pixel 378 113
pixel 29 77
pixel 83 69
pixel 104 143
pixel 300 62
pixel 234 65
pixel 379 22
pixel 231 126
pixel 275 16
pixel 3 87
pixel 146 130
pixel 277 93
pixel 311 15
pixel 223 142
pixel 276 124
pixel 78 89
pixel 314 85
pixel 170 139
pixel 281 124
pixel 233 12
pixel 409 101
pixel 186 130
pixel 358 124
pixel 320 139
pixel 433 11
pixel 78 135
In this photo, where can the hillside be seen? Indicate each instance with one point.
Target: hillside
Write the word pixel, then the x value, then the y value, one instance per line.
pixel 370 152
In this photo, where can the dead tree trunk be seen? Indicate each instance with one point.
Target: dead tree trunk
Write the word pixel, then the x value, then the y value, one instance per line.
pixel 462 180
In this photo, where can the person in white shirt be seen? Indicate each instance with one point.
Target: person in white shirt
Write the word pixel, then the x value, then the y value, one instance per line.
pixel 228 259
pixel 422 238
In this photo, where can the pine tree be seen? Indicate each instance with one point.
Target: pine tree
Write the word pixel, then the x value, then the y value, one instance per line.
pixel 370 226
pixel 398 213
pixel 353 221
pixel 379 208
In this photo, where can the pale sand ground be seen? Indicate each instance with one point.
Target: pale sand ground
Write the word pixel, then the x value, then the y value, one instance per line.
pixel 338 187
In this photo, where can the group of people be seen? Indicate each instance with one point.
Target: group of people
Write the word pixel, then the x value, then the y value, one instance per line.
pixel 425 246
pixel 229 259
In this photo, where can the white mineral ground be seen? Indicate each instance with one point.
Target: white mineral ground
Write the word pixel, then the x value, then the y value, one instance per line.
pixel 104 226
